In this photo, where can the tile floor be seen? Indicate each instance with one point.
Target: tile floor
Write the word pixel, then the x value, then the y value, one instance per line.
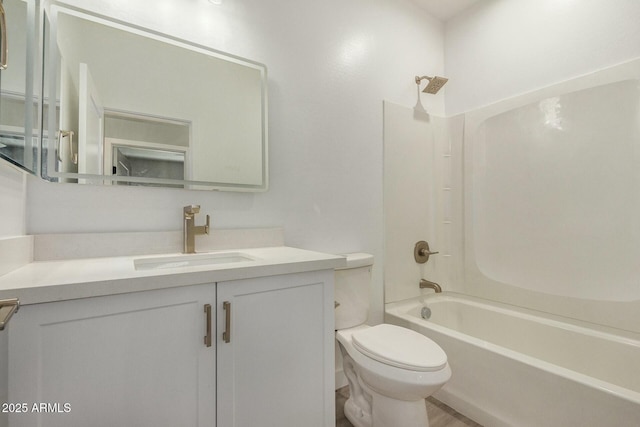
pixel 440 415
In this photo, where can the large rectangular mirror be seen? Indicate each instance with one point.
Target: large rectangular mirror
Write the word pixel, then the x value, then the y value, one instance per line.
pixel 18 105
pixel 135 107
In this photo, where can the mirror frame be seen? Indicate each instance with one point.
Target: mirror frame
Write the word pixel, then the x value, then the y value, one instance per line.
pixel 48 19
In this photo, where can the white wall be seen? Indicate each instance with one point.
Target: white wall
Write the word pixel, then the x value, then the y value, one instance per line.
pixel 501 48
pixel 330 65
pixel 12 201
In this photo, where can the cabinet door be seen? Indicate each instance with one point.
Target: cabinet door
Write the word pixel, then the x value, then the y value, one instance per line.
pixel 277 368
pixel 136 359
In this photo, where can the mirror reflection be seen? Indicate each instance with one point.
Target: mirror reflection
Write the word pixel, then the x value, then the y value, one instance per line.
pixel 139 108
pixel 18 107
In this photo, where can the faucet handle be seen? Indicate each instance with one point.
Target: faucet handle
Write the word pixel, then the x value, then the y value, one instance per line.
pixel 191 209
pixel 206 226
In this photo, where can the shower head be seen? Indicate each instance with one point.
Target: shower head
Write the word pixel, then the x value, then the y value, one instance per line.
pixel 435 83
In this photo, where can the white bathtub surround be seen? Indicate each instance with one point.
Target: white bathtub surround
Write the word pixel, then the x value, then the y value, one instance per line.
pixel 419 200
pixel 551 202
pixel 409 192
pixel 514 366
pixel 51 247
pixel 544 212
pixel 537 207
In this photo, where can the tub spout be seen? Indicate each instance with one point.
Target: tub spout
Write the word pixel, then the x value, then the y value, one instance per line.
pixel 431 285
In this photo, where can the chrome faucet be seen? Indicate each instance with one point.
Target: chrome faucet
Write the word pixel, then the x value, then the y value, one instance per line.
pixel 190 230
pixel 431 285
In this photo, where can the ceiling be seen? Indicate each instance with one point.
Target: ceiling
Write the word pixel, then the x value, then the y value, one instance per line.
pixel 445 9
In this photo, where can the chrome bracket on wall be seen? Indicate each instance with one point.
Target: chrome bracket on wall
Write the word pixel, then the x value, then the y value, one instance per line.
pixel 7 308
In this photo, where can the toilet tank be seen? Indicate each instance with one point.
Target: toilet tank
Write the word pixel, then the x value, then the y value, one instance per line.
pixel 352 288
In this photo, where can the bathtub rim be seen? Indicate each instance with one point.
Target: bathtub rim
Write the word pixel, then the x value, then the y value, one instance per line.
pixel 399 310
pixel 563 322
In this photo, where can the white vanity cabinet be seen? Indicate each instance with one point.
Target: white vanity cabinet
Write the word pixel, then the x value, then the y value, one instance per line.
pixel 141 359
pixel 275 354
pixel 135 359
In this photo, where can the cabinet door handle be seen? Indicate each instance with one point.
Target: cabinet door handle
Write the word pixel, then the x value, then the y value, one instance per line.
pixel 207 337
pixel 226 335
pixel 4 47
pixel 7 308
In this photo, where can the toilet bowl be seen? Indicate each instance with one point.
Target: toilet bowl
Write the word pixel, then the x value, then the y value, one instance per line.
pixel 390 369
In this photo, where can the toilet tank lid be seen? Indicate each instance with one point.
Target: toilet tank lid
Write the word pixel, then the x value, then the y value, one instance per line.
pixel 355 260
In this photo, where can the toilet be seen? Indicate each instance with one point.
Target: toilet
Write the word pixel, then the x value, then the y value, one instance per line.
pixel 390 369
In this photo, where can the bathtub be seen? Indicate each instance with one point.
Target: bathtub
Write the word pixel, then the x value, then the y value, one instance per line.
pixel 518 368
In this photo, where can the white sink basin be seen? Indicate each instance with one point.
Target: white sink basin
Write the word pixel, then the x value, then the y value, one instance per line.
pixel 190 260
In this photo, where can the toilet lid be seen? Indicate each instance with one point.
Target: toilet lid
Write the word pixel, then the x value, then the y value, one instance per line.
pixel 400 347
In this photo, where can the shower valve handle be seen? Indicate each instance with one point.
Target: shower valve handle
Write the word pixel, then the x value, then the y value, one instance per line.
pixel 421 252
pixel 426 252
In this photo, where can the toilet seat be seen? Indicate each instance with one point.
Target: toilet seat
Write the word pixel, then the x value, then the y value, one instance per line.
pixel 399 347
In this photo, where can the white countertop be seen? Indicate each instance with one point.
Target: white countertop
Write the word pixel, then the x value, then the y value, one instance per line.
pixel 48 281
